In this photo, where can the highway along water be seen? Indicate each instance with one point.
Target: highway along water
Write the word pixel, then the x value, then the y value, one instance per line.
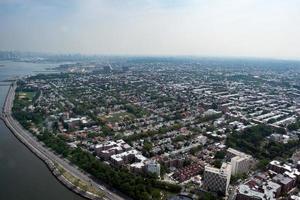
pixel 22 175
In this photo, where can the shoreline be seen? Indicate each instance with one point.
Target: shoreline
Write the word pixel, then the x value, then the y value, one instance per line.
pixel 50 164
pixel 54 171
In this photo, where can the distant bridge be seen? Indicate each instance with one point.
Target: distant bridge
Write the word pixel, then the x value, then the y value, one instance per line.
pixel 5 84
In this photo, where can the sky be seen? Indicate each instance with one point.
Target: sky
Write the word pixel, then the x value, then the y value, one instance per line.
pixel 239 28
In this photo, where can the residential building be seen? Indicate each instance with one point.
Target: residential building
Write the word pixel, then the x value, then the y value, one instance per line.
pixel 217 180
pixel 240 162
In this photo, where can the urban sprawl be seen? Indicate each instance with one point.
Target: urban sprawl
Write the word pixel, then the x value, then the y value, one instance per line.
pixel 183 129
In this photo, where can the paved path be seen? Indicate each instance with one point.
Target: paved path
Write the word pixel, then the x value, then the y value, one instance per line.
pixel 31 141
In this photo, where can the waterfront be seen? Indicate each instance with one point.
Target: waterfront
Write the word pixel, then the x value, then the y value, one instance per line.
pixel 23 175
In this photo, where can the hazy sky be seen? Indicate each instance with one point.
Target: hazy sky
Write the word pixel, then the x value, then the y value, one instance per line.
pixel 255 28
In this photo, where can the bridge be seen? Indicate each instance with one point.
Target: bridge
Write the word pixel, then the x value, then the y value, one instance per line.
pixel 5 84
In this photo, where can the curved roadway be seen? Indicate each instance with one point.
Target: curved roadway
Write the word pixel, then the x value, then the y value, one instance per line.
pixel 33 143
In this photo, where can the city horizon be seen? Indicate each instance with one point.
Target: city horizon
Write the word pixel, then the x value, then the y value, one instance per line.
pixel 186 56
pixel 249 28
pixel 150 99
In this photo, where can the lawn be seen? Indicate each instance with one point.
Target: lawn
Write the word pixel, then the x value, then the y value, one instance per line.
pixel 118 116
pixel 79 183
pixel 26 95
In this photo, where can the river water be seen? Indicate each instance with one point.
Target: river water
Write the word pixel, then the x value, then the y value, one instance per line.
pixel 22 175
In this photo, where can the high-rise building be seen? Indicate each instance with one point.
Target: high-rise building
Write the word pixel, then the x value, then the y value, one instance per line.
pixel 153 167
pixel 240 162
pixel 217 180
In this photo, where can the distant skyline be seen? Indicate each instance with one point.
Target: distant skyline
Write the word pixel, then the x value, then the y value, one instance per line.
pixel 235 28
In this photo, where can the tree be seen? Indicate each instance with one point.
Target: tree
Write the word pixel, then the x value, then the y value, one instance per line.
pixel 220 154
pixel 156 194
pixel 235 178
pixel 147 147
pixel 217 163
pixel 209 196
pixel 262 164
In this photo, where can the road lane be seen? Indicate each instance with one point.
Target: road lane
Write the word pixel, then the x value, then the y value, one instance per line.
pixel 45 152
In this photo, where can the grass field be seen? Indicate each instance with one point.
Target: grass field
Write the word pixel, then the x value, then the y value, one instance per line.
pixel 117 117
pixel 26 95
pixel 79 183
